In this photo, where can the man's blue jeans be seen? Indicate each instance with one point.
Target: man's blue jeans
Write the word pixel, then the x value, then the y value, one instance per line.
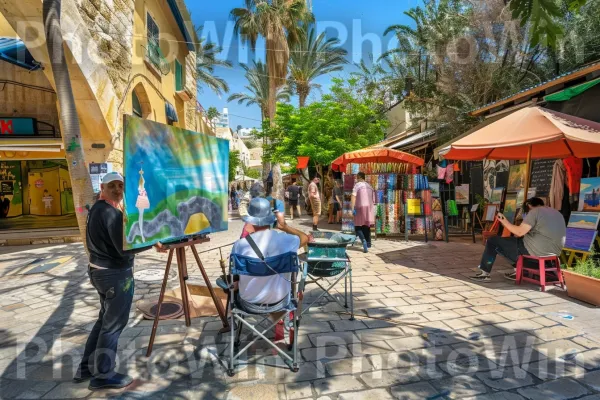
pixel 115 288
pixel 510 247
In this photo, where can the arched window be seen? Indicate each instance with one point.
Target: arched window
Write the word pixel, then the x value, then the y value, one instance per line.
pixel 140 102
pixel 137 107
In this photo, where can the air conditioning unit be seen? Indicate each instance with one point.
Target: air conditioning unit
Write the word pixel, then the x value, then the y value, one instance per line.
pixel 184 95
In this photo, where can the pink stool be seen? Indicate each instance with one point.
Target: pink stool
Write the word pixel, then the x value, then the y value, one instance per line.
pixel 540 272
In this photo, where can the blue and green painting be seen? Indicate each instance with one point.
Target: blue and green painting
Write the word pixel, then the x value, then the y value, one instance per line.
pixel 175 183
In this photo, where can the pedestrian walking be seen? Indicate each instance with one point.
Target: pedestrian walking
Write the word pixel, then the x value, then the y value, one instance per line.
pixel 294 191
pixel 315 200
pixel 336 204
pixel 362 204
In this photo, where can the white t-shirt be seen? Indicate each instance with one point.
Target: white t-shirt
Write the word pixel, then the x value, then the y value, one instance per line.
pixel 266 289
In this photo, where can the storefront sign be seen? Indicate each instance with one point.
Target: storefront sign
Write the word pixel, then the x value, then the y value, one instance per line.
pixel 17 126
pixel 7 187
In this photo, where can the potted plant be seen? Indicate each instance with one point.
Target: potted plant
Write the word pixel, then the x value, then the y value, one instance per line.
pixel 583 281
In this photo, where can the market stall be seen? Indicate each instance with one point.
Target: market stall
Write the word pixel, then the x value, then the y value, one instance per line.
pixel 397 183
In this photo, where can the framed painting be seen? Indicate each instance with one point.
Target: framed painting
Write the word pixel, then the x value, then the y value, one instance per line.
pixel 435 189
pixel 497 194
pixel 462 194
pixel 510 207
pixel 176 183
pixel 580 239
pixel 584 220
pixel 589 194
pixel 520 195
pixel 516 177
pixel 489 212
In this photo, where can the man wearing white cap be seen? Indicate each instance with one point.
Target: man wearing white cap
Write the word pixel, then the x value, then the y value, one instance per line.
pixel 111 274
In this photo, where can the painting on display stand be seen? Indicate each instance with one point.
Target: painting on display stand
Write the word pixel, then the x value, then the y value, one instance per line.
pixel 435 189
pixel 580 239
pixel 516 177
pixel 589 194
pixel 510 207
pixel 489 213
pixel 175 183
pixel 520 198
pixel 584 220
pixel 462 194
pixel 496 197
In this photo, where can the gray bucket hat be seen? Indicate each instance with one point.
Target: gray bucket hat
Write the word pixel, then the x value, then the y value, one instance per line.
pixel 259 212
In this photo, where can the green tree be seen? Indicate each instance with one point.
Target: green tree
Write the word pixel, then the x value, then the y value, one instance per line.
pixel 206 61
pixel 234 164
pixel 250 143
pixel 252 173
pixel 342 121
pixel 258 89
pixel 212 113
pixel 311 57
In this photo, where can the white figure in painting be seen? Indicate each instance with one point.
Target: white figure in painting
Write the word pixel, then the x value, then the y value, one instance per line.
pixel 142 203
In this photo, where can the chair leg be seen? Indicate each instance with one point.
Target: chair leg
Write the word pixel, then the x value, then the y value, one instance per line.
pixel 519 274
pixel 238 336
pixel 542 265
pixel 560 275
pixel 230 371
pixel 346 290
pixel 351 295
pixel 295 344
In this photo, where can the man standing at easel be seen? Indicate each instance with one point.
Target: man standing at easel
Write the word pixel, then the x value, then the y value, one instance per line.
pixel 111 273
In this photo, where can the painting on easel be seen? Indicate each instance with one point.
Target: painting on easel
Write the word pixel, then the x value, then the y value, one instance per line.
pixel 175 183
pixel 516 177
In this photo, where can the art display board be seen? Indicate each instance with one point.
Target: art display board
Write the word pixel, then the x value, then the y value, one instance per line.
pixel 516 177
pixel 176 183
pixel 462 194
pixel 589 194
pixel 580 239
pixel 541 175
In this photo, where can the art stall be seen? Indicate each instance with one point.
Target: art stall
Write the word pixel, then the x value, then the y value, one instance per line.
pixel 403 202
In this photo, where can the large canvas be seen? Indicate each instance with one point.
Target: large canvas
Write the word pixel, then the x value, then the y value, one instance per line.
pixel 584 220
pixel 175 183
pixel 589 194
pixel 516 177
pixel 510 207
pixel 580 239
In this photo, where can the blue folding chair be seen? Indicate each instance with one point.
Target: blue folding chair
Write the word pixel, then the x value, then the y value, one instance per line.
pixel 239 309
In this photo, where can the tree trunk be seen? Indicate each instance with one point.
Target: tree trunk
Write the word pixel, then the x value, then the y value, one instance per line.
pixel 83 193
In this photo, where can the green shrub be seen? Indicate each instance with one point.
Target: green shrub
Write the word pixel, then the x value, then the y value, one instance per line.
pixel 589 267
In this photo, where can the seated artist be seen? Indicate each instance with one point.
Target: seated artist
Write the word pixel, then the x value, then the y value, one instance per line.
pixel 266 290
pixel 110 270
pixel 258 190
pixel 542 233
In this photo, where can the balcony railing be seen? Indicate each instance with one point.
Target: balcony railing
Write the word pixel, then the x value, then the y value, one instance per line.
pixel 157 58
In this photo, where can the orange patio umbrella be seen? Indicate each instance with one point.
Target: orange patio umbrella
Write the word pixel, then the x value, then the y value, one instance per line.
pixel 530 133
pixel 374 155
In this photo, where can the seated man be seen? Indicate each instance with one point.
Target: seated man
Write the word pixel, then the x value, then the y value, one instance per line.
pixel 266 290
pixel 542 233
pixel 258 190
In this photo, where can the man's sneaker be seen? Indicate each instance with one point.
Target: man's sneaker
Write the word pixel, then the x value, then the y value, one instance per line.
pixel 82 375
pixel 512 276
pixel 484 278
pixel 117 381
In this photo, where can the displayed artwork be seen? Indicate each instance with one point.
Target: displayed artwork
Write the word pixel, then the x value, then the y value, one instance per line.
pixel 510 207
pixel 580 239
pixel 521 199
pixel 175 183
pixel 490 212
pixel 589 194
pixel 491 168
pixel 435 189
pixel 584 220
pixel 438 225
pixel 462 194
pixel 413 206
pixel 516 177
pixel 496 197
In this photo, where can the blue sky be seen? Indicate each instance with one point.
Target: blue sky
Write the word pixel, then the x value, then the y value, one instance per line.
pixel 353 19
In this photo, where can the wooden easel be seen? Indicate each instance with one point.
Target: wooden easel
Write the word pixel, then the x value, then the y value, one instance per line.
pixel 179 250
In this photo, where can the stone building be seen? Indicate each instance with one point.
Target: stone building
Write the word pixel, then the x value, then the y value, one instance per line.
pixel 134 57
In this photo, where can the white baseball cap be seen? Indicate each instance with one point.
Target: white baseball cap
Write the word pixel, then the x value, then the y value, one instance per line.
pixel 112 176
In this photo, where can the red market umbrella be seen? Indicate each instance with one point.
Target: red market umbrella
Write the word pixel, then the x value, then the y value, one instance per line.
pixel 375 155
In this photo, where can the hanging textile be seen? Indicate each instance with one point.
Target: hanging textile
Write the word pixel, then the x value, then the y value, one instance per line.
pixel 557 185
pixel 574 170
pixel 449 173
pixel 441 172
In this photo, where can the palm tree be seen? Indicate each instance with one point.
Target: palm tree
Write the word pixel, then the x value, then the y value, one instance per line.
pixel 258 89
pixel 278 21
pixel 206 61
pixel 312 57
pixel 83 193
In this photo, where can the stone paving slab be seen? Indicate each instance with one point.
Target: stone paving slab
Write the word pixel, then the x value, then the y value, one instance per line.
pixel 422 329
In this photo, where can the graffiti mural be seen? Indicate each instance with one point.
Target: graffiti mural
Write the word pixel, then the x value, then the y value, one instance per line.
pixel 490 170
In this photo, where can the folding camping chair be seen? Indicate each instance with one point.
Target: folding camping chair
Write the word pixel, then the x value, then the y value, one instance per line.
pixel 328 260
pixel 239 309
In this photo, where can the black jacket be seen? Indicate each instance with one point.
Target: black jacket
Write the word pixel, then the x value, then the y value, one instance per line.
pixel 105 238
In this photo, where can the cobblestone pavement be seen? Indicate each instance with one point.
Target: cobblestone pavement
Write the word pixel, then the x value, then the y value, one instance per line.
pixel 422 331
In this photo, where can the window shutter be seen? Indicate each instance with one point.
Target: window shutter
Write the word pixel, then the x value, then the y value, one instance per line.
pixel 178 76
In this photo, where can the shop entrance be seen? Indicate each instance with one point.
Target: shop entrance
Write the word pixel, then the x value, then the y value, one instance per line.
pixel 36 195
